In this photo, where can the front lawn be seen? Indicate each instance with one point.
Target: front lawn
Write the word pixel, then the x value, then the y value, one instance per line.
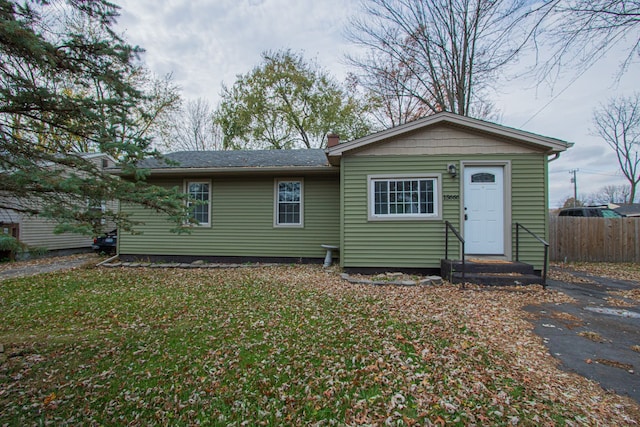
pixel 290 345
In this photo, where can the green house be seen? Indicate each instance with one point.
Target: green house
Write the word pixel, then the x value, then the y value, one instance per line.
pixel 387 200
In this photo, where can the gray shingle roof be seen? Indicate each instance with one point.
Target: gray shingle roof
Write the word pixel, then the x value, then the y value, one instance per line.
pixel 629 210
pixel 241 159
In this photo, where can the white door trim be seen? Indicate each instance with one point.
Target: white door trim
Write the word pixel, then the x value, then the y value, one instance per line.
pixel 506 165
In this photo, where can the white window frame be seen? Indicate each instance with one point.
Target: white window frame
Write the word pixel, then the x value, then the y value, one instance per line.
pixel 276 204
pixel 186 190
pixel 437 197
pixel 102 208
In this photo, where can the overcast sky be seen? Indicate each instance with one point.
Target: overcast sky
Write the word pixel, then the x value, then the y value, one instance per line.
pixel 204 43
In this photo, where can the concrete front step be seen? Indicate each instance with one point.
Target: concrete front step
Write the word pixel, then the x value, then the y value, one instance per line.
pixel 489 272
pixel 488 266
pixel 497 279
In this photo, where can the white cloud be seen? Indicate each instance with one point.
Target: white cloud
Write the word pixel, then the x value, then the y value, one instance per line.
pixel 205 44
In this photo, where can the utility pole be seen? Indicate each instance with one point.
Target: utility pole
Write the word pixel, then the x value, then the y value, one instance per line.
pixel 574 181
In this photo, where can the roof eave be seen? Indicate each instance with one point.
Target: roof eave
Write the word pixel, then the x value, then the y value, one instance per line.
pixel 551 145
pixel 236 171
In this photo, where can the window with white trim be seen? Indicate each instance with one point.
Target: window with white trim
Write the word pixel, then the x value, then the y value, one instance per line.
pixel 97 210
pixel 289 203
pixel 403 197
pixel 199 204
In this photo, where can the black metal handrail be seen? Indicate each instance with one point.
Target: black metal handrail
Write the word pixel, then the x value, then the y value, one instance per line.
pixel 450 226
pixel 546 250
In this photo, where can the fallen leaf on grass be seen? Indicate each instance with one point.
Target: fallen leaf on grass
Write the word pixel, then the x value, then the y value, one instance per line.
pixel 50 398
pixel 289 345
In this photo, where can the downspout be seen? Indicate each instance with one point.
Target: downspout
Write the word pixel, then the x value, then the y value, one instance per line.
pixel 546 226
pixel 107 260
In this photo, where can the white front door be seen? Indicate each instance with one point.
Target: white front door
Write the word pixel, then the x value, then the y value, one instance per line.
pixel 484 210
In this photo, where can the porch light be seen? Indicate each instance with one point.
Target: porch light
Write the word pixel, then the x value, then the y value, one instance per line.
pixel 452 169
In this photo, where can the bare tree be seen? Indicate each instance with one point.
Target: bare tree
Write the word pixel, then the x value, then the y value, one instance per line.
pixel 442 53
pixel 160 107
pixel 618 124
pixel 618 194
pixel 385 83
pixel 192 129
pixel 571 202
pixel 580 32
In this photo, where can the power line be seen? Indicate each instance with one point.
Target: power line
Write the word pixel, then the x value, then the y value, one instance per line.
pixel 585 69
pixel 590 172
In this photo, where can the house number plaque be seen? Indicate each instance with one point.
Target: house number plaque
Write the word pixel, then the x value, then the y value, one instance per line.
pixel 451 196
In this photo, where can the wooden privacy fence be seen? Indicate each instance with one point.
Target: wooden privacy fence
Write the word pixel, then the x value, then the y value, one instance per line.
pixel 594 239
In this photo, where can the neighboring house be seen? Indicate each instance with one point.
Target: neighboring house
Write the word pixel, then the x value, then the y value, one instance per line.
pixel 632 209
pixel 35 231
pixel 383 199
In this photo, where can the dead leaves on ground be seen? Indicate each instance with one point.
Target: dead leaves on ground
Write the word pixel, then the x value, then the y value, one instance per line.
pixel 567 277
pixel 592 336
pixel 631 294
pixel 35 263
pixel 281 345
pixel 569 320
pixel 620 271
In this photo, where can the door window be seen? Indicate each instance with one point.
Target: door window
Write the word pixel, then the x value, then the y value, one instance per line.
pixel 483 177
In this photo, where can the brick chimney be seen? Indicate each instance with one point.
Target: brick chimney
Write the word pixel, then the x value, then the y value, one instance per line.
pixel 333 140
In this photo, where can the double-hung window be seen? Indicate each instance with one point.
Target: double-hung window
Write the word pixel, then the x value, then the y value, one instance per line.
pixel 403 197
pixel 289 199
pixel 97 210
pixel 200 201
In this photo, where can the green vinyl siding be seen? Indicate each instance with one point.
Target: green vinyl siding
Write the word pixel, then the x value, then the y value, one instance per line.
pixel 394 243
pixel 420 243
pixel 529 206
pixel 242 222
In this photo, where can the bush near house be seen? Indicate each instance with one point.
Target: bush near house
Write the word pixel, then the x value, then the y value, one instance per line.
pixel 10 248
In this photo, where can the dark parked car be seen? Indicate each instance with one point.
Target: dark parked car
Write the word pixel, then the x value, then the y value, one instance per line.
pixel 591 212
pixel 107 243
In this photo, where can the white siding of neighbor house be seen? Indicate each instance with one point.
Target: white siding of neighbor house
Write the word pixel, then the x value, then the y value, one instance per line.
pixel 35 231
pixel 38 232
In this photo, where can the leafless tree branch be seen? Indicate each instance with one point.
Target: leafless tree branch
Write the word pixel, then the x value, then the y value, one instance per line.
pixel 618 124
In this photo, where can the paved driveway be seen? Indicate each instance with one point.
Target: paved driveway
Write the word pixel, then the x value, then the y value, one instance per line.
pixel 595 336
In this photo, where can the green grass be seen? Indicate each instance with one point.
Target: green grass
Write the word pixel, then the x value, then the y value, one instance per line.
pixel 268 346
